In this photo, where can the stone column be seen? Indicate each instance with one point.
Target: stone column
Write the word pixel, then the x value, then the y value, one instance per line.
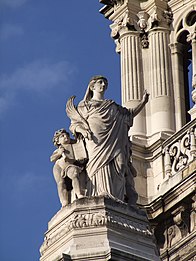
pixel 162 111
pixel 178 80
pixel 131 76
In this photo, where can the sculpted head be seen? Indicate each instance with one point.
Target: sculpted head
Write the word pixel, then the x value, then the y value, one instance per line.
pixel 61 137
pixel 96 78
pixel 93 81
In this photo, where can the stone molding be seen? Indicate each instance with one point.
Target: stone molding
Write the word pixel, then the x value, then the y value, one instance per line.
pixel 102 216
pixel 146 18
pixel 167 201
pixel 99 219
pixel 174 222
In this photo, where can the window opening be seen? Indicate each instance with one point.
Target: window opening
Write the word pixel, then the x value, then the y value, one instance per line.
pixel 187 70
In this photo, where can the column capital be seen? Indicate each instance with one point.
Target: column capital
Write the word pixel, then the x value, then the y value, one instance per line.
pixel 124 23
pixel 176 48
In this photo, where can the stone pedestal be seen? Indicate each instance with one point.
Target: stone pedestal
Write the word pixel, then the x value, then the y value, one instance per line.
pixel 98 228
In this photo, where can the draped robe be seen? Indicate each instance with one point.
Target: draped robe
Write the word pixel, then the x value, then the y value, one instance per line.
pixel 109 149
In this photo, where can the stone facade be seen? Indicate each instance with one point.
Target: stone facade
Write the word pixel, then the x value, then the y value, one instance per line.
pixel 156 40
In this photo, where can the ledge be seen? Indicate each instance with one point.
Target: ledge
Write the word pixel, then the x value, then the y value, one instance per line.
pixel 176 194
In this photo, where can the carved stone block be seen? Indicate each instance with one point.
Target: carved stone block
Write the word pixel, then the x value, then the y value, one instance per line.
pixel 99 228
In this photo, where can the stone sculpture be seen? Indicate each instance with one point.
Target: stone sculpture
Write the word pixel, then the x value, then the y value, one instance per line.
pixel 104 126
pixel 65 166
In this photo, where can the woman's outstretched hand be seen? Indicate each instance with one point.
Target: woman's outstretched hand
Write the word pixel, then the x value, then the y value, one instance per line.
pixel 145 97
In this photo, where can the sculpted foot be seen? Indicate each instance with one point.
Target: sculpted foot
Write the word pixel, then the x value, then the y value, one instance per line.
pixel 64 203
pixel 80 196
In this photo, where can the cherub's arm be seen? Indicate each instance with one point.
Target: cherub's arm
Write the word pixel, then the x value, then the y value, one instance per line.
pixel 141 105
pixel 56 154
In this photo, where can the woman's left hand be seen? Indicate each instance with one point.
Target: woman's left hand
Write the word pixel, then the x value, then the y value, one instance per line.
pixel 145 97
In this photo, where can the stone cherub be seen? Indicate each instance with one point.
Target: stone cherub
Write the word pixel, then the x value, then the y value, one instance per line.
pixel 65 167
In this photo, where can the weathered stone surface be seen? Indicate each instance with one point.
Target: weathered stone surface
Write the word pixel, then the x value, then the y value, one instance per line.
pixel 152 38
pixel 156 41
pixel 104 126
pixel 97 228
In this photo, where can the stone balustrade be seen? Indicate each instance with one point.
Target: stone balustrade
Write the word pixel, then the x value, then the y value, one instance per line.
pixel 180 150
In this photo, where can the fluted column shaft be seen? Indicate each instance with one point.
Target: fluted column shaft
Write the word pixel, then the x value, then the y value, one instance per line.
pixel 130 68
pixel 162 109
pixel 131 76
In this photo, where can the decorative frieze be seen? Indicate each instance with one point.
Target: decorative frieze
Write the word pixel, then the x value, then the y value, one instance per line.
pixel 91 220
pixel 91 225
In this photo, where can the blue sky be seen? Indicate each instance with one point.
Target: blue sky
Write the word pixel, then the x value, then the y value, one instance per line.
pixel 48 51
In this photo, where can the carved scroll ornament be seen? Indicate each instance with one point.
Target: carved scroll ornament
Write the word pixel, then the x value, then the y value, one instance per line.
pixel 179 154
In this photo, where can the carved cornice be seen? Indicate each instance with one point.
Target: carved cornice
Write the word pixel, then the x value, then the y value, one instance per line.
pixel 176 5
pixel 130 16
pixel 107 2
pixel 105 213
pixel 110 7
pixel 107 11
pixel 93 220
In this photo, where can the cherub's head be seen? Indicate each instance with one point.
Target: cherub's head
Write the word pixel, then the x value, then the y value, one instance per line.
pixel 61 137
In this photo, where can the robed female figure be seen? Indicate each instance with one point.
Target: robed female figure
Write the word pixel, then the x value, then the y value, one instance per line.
pixel 104 125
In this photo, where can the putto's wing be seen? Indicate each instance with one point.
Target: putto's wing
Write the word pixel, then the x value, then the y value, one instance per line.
pixel 73 113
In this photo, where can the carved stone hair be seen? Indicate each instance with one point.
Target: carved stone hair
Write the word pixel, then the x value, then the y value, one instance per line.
pixel 57 134
pixel 89 93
